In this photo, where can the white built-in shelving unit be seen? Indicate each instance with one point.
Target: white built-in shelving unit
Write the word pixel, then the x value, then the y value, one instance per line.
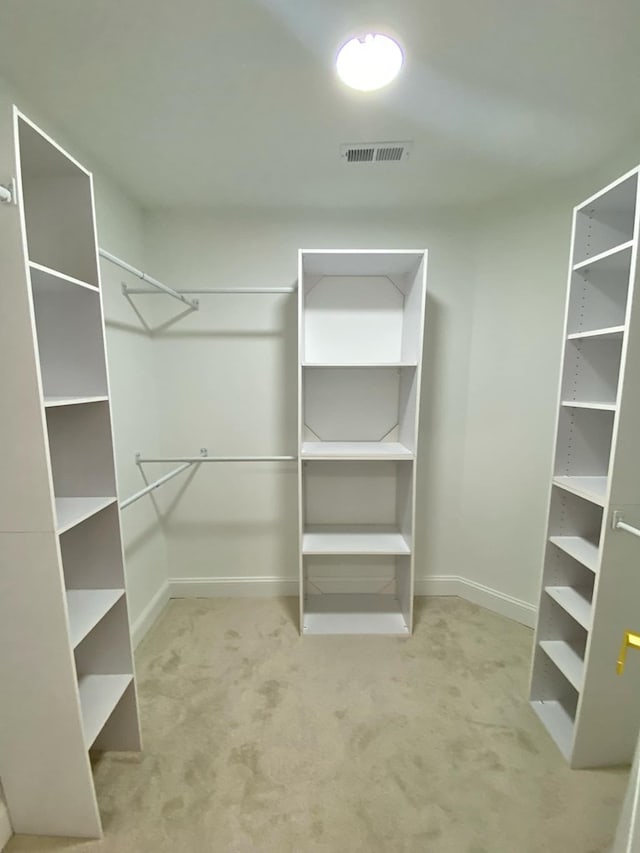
pixel 591 583
pixel 360 338
pixel 68 678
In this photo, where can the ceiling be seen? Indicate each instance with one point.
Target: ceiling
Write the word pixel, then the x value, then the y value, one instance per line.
pixel 223 103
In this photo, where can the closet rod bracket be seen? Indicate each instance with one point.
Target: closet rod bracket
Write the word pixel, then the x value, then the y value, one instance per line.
pixel 8 194
pixel 618 523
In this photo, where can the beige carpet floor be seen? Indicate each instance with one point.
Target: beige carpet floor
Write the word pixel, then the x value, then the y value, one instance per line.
pixel 257 740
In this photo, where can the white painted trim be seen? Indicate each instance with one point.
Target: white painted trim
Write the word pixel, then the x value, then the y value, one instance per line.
pixel 5 825
pixel 477 593
pixel 149 615
pixel 267 587
pixel 248 587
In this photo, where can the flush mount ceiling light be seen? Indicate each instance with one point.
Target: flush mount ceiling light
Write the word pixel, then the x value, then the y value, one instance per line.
pixel 369 62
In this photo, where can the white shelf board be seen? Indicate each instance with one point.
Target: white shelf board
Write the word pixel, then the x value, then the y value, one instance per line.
pixel 609 332
pixel 359 364
pixel 356 539
pixel 593 489
pixel 99 695
pixel 557 722
pixel 353 614
pixel 566 659
pixel 72 511
pixel 580 549
pixel 589 404
pixel 45 277
pixel 50 402
pixel 86 607
pixel 369 450
pixel 612 257
pixel 575 604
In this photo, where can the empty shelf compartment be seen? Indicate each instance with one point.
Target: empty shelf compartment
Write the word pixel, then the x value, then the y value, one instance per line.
pixel 72 511
pixel 354 614
pixel 576 601
pixel 604 223
pixel 558 722
pixel 581 549
pixel 567 659
pixel 86 607
pixel 99 695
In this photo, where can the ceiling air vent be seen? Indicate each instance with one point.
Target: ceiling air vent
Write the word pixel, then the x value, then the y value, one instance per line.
pixel 375 152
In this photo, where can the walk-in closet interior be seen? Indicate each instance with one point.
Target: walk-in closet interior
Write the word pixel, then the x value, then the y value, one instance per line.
pixel 319 353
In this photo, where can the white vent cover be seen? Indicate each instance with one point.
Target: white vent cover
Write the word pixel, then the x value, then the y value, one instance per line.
pixel 375 152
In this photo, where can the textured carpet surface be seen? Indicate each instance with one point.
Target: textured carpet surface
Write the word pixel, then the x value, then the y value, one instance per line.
pixel 257 740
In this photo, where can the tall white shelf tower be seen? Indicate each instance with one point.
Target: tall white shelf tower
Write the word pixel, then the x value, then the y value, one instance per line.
pixel 361 316
pixel 66 667
pixel 591 579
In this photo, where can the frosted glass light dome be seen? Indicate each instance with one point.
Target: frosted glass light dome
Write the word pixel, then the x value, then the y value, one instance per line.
pixel 369 62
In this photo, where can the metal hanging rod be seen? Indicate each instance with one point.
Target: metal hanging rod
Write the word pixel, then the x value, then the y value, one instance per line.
pixel 618 524
pixel 6 194
pixel 191 459
pixel 242 291
pixel 192 303
pixel 156 483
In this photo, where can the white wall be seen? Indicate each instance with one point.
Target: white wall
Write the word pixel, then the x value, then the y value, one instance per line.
pixel 136 404
pixel 521 258
pixel 229 379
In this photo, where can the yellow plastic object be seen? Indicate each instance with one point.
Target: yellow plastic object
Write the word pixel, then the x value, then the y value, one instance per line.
pixel 630 639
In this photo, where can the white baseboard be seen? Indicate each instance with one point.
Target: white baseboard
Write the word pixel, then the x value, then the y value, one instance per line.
pixel 150 613
pixel 5 825
pixel 272 587
pixel 477 593
pixel 269 587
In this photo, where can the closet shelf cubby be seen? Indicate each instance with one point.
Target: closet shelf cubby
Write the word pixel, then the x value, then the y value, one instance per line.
pixel 580 549
pixel 60 536
pixel 57 206
pixel 605 223
pixel 355 613
pixel 70 335
pixel 558 718
pixel 361 316
pixel 86 607
pixel 590 587
pixel 73 511
pixel 612 259
pixel 576 602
